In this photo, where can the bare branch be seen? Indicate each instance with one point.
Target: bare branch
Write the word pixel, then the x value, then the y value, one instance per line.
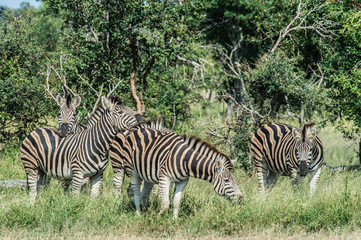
pixel 47 87
pixel 319 76
pixel 114 88
pixel 322 27
pixel 99 94
pixel 215 134
pixel 98 99
pixel 90 26
pixel 195 64
pixel 64 81
pixel 61 76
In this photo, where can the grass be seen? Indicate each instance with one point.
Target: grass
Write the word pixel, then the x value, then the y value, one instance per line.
pixel 333 212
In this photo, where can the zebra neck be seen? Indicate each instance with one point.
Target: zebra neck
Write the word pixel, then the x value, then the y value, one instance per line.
pixel 95 117
pixel 200 166
pixel 103 130
pixel 77 127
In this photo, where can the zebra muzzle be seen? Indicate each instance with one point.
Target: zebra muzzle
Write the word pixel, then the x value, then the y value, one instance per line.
pixel 237 198
pixel 140 119
pixel 303 168
pixel 63 129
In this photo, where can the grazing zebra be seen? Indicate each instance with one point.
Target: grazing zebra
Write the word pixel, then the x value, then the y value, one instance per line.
pixel 161 158
pixel 68 118
pixel 79 155
pixel 280 149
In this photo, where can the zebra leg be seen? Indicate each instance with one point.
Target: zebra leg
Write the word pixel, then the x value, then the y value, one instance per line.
pixel 118 179
pixel 135 184
pixel 77 181
pixel 314 179
pixel 43 180
pixel 130 190
pixel 164 184
pixel 179 186
pixel 147 188
pixel 262 169
pixel 65 184
pixel 96 182
pixel 295 179
pixel 31 180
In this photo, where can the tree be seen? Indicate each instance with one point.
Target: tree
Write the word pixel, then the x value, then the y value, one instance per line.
pixel 267 60
pixel 23 104
pixel 111 40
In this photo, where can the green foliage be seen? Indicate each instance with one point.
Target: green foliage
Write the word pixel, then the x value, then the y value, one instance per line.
pixel 345 77
pixel 171 101
pixel 108 40
pixel 280 85
pixel 23 107
pixel 96 44
pixel 347 99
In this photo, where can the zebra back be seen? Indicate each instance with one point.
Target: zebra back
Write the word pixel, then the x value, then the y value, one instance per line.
pixel 207 149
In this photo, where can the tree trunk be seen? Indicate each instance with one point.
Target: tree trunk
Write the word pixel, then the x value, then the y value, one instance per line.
pixel 133 47
pixel 140 105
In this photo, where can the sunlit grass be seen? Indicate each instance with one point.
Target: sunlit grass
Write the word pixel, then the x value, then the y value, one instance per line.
pixel 333 212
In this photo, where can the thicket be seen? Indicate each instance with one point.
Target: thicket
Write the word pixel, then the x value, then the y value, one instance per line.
pixel 265 59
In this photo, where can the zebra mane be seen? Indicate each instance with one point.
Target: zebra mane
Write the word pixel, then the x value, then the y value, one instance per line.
pixel 304 129
pixel 212 149
pixel 68 100
pixel 155 120
pixel 157 123
pixel 116 100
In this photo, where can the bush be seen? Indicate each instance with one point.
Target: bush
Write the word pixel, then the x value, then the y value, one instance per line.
pixel 23 107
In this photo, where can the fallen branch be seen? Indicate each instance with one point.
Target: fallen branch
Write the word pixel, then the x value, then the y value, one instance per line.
pixel 20 183
pixel 346 168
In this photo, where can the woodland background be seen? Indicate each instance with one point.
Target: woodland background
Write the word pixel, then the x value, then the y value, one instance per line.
pixel 216 69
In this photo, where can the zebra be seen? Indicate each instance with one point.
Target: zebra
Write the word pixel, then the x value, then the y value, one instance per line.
pixel 79 155
pixel 280 149
pixel 68 118
pixel 75 127
pixel 161 158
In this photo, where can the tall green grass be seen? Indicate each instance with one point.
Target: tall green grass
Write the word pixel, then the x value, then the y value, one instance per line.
pixel 333 211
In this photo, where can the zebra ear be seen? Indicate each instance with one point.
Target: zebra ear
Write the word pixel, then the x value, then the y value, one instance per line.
pixel 60 100
pixel 233 161
pixel 313 133
pixel 77 101
pixel 107 103
pixel 296 133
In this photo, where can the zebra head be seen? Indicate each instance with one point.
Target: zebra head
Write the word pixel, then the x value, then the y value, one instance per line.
pixel 68 118
pixel 123 118
pixel 224 181
pixel 304 145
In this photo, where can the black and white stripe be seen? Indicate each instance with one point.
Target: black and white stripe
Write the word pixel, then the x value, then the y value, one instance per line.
pixel 79 155
pixel 117 168
pixel 161 158
pixel 280 149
